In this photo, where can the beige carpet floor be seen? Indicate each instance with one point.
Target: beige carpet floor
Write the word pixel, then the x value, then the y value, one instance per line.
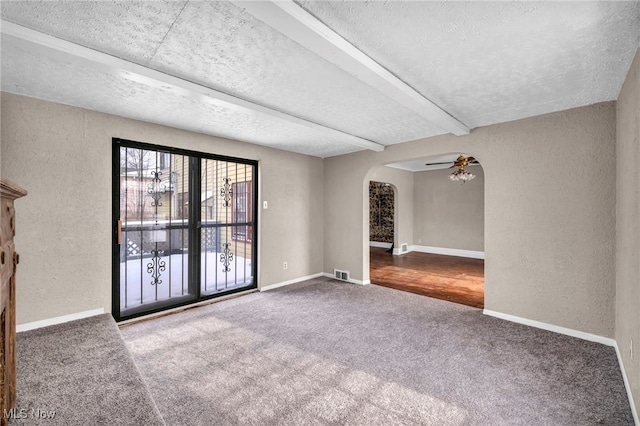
pixel 329 353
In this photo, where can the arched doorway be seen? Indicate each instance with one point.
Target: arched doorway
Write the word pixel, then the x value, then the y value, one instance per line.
pixel 441 254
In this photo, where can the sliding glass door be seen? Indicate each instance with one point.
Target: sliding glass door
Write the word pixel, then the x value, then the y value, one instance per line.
pixel 227 226
pixel 184 227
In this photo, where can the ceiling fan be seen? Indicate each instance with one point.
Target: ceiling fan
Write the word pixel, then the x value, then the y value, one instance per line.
pixel 461 162
pixel 460 173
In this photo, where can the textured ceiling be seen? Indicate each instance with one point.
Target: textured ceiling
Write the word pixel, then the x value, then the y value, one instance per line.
pixel 481 62
pixel 421 164
pixel 491 62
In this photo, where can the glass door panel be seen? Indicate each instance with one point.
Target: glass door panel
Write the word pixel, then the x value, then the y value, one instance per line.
pixel 154 219
pixel 227 232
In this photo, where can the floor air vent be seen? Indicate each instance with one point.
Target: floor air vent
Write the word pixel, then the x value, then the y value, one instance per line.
pixel 404 248
pixel 341 275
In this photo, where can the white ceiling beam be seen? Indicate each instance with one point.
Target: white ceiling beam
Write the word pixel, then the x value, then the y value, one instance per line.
pixel 44 43
pixel 297 24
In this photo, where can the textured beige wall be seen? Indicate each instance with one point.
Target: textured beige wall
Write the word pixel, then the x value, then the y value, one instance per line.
pixel 62 156
pixel 549 213
pixel 448 214
pixel 402 182
pixel 628 227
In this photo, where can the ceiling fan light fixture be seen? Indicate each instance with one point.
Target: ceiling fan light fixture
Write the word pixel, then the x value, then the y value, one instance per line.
pixel 462 174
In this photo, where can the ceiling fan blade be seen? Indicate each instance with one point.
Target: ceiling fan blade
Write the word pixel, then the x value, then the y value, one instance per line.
pixel 433 164
pixel 472 160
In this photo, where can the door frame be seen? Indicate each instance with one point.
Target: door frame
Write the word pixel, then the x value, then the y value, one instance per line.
pixel 194 229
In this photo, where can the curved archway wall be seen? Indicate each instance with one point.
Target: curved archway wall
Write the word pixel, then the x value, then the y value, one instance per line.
pixel 431 211
pixel 549 213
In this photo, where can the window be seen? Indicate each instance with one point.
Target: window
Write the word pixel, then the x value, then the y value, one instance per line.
pixel 242 209
pixel 165 160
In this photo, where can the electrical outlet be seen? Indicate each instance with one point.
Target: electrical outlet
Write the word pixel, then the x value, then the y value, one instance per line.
pixel 285 265
pixel 265 205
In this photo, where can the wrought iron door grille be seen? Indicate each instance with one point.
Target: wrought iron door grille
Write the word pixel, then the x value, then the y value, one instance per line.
pixel 186 230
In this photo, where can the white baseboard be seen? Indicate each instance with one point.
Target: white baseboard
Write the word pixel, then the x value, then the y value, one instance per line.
pixel 627 386
pixel 379 244
pixel 296 280
pixel 351 280
pixel 580 335
pixel 550 327
pixel 308 277
pixel 447 251
pixel 58 320
pixel 398 251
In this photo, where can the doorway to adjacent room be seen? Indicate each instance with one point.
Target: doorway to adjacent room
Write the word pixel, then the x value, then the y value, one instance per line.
pixel 426 227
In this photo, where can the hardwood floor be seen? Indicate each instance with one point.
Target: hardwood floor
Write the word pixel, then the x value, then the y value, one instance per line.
pixel 457 279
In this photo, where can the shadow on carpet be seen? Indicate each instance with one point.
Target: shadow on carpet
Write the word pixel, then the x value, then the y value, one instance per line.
pixel 79 373
pixel 329 353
